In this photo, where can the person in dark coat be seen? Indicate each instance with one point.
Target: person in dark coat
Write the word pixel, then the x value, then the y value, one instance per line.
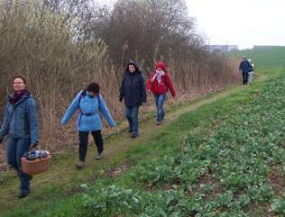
pixel 244 68
pixel 133 93
pixel 250 71
pixel 21 124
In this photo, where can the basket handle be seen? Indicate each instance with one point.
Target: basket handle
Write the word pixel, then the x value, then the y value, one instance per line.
pixel 34 147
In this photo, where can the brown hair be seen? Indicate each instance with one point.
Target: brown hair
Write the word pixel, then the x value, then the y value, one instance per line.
pixel 21 77
pixel 93 87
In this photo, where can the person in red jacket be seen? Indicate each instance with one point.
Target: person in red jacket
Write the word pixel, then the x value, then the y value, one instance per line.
pixel 159 83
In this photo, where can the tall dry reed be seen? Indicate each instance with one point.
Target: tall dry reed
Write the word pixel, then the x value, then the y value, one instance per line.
pixel 40 45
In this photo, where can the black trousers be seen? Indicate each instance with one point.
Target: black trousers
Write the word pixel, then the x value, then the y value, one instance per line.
pixel 244 77
pixel 83 143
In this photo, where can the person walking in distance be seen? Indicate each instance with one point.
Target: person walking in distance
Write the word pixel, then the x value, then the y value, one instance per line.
pixel 90 104
pixel 133 92
pixel 244 67
pixel 159 83
pixel 21 124
pixel 250 73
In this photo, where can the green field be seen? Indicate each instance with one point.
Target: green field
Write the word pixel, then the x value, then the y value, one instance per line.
pixel 221 159
pixel 266 58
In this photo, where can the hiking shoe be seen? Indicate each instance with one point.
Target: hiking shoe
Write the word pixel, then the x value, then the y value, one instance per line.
pixel 158 123
pixel 99 156
pixel 80 165
pixel 134 135
pixel 23 194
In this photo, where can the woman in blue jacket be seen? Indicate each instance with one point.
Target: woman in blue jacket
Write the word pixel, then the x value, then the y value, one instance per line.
pixel 21 124
pixel 89 103
pixel 134 93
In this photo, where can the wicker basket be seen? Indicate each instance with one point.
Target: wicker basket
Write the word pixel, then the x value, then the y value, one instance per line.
pixel 35 166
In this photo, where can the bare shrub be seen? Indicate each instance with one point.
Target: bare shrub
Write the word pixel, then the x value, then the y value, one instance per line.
pixel 36 43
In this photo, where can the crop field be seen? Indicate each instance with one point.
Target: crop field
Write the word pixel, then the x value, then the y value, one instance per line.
pixel 266 58
pixel 232 164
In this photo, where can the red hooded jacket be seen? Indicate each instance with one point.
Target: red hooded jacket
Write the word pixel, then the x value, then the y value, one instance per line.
pixel 165 84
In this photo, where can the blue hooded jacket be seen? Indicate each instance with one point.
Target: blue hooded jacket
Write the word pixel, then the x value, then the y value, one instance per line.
pixel 20 120
pixel 133 88
pixel 89 118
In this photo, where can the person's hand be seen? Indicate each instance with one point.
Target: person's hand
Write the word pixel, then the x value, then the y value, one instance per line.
pixel 35 145
pixel 112 125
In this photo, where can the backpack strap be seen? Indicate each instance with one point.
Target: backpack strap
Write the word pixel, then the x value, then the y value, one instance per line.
pixel 83 94
pixel 99 103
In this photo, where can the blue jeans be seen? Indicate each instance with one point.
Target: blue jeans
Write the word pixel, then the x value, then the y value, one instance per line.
pixel 159 102
pixel 15 150
pixel 132 113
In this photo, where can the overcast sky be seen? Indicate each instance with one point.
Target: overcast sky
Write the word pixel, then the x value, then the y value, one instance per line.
pixel 240 22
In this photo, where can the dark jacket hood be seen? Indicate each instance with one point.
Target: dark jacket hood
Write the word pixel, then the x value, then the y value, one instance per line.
pixel 135 65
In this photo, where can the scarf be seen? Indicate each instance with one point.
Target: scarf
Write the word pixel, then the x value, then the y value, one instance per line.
pixel 157 76
pixel 17 96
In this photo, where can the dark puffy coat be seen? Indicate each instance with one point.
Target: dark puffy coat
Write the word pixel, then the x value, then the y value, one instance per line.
pixel 133 88
pixel 244 66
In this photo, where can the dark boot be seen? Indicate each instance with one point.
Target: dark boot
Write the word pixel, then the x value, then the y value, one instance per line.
pixel 23 194
pixel 25 184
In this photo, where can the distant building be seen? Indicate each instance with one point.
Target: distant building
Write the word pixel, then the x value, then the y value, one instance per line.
pixel 222 48
pixel 265 46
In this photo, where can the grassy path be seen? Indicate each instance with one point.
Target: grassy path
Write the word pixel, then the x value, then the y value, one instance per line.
pixel 62 179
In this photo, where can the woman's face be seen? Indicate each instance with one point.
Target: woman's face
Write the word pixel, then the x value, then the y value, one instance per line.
pixel 92 94
pixel 18 84
pixel 132 68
